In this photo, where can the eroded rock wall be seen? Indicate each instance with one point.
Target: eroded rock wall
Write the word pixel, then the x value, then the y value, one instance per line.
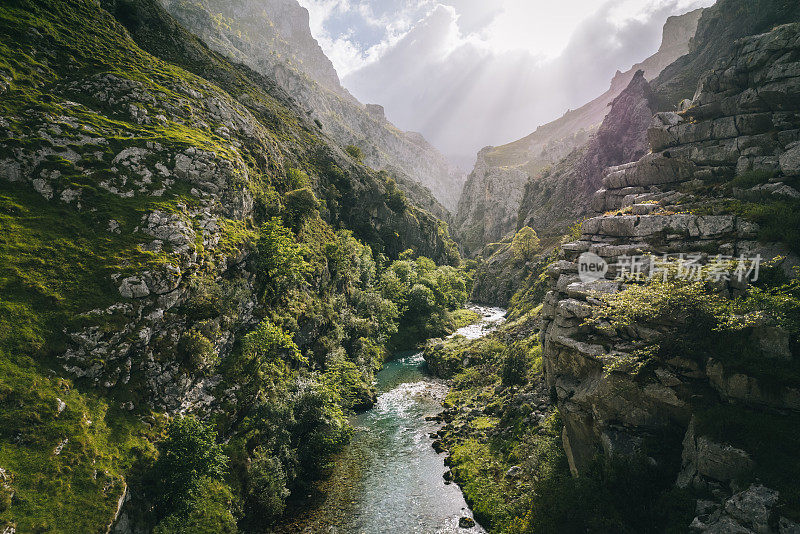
pixel 496 188
pixel 744 117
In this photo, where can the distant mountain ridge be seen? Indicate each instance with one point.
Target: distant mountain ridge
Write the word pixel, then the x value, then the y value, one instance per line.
pixel 488 207
pixel 273 37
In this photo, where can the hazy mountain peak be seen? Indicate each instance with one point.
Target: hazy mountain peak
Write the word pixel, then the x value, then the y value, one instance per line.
pixel 274 38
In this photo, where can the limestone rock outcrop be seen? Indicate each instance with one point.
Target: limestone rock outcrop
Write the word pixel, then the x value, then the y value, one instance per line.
pixel 744 118
pixel 557 198
pixel 166 243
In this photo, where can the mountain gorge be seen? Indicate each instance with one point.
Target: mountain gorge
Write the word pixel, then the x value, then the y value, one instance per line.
pixel 178 236
pixel 659 393
pixel 215 263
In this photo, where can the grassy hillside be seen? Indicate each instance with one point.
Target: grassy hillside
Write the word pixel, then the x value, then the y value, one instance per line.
pixel 176 237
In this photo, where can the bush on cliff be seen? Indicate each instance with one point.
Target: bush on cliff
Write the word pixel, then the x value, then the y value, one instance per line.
pixel 209 511
pixel 354 152
pixel 695 319
pixel 525 244
pixel 280 260
pixel 190 465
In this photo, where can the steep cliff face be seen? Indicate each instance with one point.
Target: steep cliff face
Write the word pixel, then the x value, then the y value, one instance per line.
pixel 273 37
pixel 633 359
pixel 717 30
pixel 677 81
pixel 497 183
pixel 559 197
pixel 271 45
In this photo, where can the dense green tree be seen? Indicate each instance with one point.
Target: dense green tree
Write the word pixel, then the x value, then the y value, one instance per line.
pixel 320 429
pixel 525 244
pixel 355 152
pixel 280 259
pixel 209 511
pixel 268 354
pixel 297 179
pixel 424 294
pixel 266 486
pixel 300 205
pixel 350 263
pixel 188 454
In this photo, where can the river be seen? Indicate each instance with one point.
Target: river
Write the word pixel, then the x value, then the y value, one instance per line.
pixel 389 478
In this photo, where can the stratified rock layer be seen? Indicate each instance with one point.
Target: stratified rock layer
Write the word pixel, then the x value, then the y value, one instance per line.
pixel 744 117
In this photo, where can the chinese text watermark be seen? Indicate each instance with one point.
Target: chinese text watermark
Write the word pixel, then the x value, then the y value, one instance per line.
pixel 691 267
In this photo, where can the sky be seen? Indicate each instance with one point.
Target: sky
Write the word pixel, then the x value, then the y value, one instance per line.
pixel 471 73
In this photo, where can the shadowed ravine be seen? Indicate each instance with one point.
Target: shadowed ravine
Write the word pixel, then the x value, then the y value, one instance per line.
pixel 389 479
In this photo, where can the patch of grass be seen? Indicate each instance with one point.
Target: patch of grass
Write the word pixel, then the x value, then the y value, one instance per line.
pixel 492 431
pixel 778 220
pixel 480 472
pixel 67 463
pixel 751 179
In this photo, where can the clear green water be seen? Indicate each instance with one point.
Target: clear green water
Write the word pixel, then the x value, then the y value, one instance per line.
pixel 389 478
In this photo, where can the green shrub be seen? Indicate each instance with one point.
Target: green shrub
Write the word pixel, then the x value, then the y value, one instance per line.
pixel 320 430
pixel 751 179
pixel 280 260
pixel 196 352
pixel 525 244
pixel 209 505
pixel 300 205
pixel 355 152
pixel 515 367
pixel 266 487
pixel 395 197
pixel 778 221
pixel 188 455
pixel 697 321
pixel 297 179
pixel 465 317
pixel 270 351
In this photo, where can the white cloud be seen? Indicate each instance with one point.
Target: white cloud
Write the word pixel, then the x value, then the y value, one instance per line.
pixel 345 45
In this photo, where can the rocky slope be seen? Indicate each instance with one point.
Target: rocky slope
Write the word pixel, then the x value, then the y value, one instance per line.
pixel 273 38
pixel 159 205
pixel 494 190
pixel 717 30
pixel 665 394
pixel 562 195
pixel 722 175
